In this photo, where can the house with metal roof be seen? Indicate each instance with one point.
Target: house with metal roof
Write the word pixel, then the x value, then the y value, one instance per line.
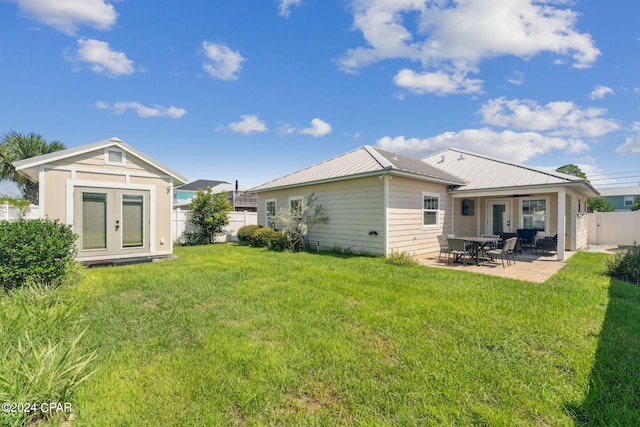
pixel 117 199
pixel 379 202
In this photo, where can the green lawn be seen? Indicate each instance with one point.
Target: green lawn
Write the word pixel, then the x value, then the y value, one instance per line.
pixel 232 335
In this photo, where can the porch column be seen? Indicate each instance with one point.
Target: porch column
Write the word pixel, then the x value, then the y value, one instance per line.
pixel 562 215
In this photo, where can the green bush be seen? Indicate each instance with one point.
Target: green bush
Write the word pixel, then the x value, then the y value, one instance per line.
pixel 626 266
pixel 261 237
pixel 35 251
pixel 278 241
pixel 245 234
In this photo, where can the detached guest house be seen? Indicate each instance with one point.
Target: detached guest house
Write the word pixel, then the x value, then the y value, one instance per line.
pixel 379 202
pixel 117 199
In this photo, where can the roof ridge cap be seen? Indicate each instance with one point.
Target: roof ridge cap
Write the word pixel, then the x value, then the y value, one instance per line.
pixel 373 152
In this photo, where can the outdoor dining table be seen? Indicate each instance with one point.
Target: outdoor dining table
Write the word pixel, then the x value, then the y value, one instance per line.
pixel 476 245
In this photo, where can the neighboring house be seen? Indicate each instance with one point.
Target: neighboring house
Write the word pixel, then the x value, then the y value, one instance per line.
pixel 241 199
pixel 621 198
pixel 117 199
pixel 379 202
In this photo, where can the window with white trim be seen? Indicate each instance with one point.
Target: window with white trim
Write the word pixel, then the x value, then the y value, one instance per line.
pixel 628 200
pixel 534 214
pixel 270 209
pixel 430 210
pixel 295 206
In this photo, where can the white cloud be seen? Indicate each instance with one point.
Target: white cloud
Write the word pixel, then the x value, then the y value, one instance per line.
pixel 68 15
pixel 600 92
pixel 318 129
pixel 632 144
pixel 439 82
pixel 285 6
pixel 516 78
pixel 101 58
pixel 513 146
pixel 557 118
pixel 142 110
pixel 453 37
pixel 249 124
pixel 222 62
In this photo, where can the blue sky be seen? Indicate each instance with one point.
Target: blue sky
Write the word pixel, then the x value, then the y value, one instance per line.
pixel 251 90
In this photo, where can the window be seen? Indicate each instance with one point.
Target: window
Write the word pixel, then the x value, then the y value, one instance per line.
pixel 270 211
pixel 430 210
pixel 132 221
pixel 295 206
pixel 628 200
pixel 534 214
pixel 114 157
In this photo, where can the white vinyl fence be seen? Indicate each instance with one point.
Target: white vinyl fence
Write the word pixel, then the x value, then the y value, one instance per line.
pixel 613 228
pixel 179 224
pixel 10 213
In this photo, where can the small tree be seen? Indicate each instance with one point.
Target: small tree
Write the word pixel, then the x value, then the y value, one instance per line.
pixel 636 204
pixel 598 204
pixel 297 224
pixel 209 214
pixel 572 170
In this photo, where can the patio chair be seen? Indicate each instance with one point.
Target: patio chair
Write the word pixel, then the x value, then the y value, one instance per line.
pixel 492 245
pixel 547 244
pixel 444 245
pixel 457 248
pixel 526 236
pixel 505 252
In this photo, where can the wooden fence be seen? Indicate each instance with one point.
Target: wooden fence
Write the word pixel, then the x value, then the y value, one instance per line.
pixel 179 224
pixel 613 228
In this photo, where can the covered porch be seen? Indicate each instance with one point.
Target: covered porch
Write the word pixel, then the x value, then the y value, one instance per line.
pixel 552 211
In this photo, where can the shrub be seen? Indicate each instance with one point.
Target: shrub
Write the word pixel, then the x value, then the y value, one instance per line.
pixel 298 222
pixel 209 214
pixel 278 241
pixel 626 266
pixel 261 237
pixel 37 250
pixel 245 234
pixel 401 259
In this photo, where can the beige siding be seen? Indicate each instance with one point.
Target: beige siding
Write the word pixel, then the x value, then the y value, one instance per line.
pixel 162 205
pixel 354 208
pixel 101 177
pixel 55 194
pixel 406 232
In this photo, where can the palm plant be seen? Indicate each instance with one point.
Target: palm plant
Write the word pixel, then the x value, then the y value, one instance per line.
pixel 16 146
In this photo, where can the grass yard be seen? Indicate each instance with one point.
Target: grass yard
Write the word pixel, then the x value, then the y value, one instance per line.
pixel 232 335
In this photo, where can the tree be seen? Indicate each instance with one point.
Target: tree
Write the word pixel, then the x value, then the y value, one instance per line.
pixel 574 170
pixel 297 224
pixel 636 204
pixel 598 204
pixel 209 214
pixel 16 146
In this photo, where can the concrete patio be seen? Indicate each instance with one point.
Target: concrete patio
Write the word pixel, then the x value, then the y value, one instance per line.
pixel 528 265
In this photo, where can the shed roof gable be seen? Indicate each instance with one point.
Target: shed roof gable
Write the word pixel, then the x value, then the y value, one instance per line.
pixel 31 165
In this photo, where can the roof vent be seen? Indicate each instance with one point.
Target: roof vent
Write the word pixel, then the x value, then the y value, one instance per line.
pixel 461 157
pixel 441 159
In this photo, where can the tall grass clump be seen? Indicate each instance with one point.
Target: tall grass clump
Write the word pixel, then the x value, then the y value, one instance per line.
pixel 626 266
pixel 41 361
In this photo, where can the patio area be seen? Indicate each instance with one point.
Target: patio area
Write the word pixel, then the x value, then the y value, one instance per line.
pixel 528 265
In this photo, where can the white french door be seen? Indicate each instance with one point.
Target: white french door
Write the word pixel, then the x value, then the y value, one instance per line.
pixel 111 221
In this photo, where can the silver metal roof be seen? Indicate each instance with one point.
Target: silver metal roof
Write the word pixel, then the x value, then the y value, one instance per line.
pixel 483 173
pixel 29 166
pixel 362 161
pixel 620 191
